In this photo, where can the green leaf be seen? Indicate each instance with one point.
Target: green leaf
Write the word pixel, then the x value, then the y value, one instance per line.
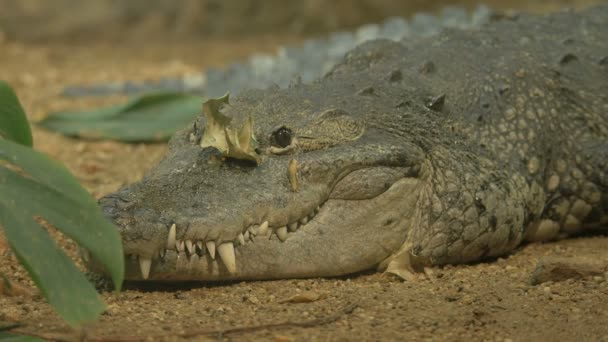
pixel 14 125
pixel 146 118
pixel 64 286
pixel 34 186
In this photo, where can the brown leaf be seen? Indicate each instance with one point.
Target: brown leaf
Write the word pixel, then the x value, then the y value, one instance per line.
pixel 233 143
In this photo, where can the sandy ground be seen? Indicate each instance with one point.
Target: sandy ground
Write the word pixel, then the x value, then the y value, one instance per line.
pixel 491 301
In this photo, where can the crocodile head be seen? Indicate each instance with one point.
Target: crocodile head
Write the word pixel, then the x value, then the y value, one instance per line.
pixel 274 185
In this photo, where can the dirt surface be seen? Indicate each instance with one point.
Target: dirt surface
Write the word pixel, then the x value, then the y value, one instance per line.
pixel 491 301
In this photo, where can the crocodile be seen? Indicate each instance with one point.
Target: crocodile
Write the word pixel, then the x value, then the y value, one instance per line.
pixel 451 149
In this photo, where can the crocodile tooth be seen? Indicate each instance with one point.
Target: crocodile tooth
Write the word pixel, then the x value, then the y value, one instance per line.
pixel 316 211
pixel 241 239
pixel 304 220
pixel 171 238
pixel 292 227
pixel 253 230
pixel 282 233
pixel 226 252
pixel 194 259
pixel 311 216
pixel 246 236
pixel 190 246
pixel 144 266
pixel 162 253
pixel 180 245
pixel 263 229
pixel 211 248
pixel 200 246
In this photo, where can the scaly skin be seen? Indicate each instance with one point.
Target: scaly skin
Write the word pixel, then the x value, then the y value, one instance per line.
pixel 516 149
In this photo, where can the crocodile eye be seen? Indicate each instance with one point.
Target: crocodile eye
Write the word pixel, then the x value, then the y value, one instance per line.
pixel 281 137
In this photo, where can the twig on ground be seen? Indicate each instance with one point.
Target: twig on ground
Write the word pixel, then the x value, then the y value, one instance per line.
pixel 347 310
pixel 8 326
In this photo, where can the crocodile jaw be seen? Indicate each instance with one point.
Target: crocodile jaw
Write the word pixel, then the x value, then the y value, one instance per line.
pixel 343 237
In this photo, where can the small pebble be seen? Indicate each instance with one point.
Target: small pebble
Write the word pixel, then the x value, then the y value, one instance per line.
pixel 282 338
pixel 547 291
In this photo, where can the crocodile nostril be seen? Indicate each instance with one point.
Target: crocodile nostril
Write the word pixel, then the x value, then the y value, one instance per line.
pixel 112 206
pixel 109 207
